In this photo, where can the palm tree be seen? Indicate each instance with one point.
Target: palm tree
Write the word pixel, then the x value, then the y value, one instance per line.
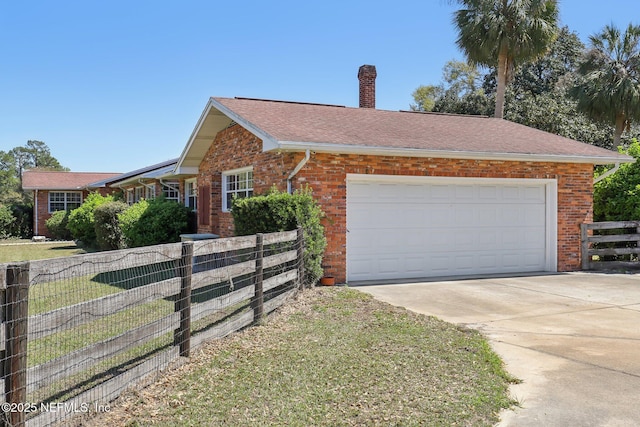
pixel 609 86
pixel 503 32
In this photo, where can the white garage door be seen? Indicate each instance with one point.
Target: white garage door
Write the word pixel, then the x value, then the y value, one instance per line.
pixel 412 227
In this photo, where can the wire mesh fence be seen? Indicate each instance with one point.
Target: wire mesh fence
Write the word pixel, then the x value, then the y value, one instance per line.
pixel 78 331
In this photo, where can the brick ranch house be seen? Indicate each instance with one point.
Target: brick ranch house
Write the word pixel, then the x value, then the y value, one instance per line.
pixel 55 191
pixel 58 191
pixel 406 194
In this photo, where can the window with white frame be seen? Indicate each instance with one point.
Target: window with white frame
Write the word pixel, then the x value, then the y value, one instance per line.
pixel 138 194
pixel 171 190
pixel 64 200
pixel 150 191
pixel 236 183
pixel 191 194
pixel 130 196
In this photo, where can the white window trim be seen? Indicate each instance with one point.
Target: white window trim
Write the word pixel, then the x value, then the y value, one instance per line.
pixel 171 186
pixel 138 194
pixel 226 174
pixel 130 196
pixel 149 191
pixel 193 182
pixel 66 201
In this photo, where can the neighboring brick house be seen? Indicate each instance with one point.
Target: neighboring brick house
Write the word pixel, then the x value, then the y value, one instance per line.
pixel 54 191
pixel 58 191
pixel 406 194
pixel 153 181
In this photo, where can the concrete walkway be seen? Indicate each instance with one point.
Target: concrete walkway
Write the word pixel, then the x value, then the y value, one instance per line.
pixel 573 339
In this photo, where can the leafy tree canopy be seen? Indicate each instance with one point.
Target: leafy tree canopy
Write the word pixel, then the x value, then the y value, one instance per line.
pixel 538 95
pixel 34 154
pixel 609 86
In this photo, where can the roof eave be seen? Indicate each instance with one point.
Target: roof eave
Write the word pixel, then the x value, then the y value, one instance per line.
pixel 449 154
pixel 196 138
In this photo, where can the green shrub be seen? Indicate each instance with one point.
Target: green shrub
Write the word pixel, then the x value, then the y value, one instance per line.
pixel 154 222
pixel 617 197
pixel 107 225
pixel 129 218
pixel 276 211
pixel 6 222
pixel 58 225
pixel 81 220
pixel 23 226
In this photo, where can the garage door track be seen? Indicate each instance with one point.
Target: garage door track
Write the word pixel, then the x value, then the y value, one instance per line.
pixel 573 339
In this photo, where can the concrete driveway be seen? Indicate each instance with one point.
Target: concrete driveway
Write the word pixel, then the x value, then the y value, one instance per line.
pixel 573 339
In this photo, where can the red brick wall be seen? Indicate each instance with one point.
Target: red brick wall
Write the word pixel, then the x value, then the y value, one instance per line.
pixel 326 175
pixel 236 148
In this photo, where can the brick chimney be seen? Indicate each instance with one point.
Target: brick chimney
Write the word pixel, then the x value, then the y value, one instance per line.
pixel 367 76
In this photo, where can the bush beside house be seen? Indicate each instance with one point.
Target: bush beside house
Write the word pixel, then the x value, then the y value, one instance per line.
pixel 82 221
pixel 277 211
pixel 57 225
pixel 617 197
pixel 153 222
pixel 107 225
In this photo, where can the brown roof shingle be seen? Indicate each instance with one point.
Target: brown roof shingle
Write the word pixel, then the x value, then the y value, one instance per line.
pixel 53 180
pixel 299 123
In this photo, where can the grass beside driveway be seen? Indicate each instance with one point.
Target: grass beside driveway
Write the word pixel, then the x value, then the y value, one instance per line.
pixel 331 357
pixel 14 251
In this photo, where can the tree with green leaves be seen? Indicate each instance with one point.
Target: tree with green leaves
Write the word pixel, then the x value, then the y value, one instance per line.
pixel 460 91
pixel 35 154
pixel 503 33
pixel 608 90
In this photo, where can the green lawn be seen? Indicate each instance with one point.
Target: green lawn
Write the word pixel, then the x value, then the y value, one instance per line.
pixel 331 357
pixel 12 251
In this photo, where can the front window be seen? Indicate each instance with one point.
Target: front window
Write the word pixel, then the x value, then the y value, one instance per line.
pixel 130 196
pixel 138 194
pixel 150 192
pixel 238 183
pixel 191 194
pixel 171 190
pixel 64 201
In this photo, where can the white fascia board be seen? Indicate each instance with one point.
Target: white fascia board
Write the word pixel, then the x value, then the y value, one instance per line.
pixel 319 147
pixel 185 170
pixel 194 133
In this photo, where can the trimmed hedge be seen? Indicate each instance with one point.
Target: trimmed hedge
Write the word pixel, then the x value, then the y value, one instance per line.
pixel 280 211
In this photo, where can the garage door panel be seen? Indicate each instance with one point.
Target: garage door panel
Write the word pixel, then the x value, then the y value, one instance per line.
pixel 400 230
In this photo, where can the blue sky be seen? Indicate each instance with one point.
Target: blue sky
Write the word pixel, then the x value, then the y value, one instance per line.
pixel 112 86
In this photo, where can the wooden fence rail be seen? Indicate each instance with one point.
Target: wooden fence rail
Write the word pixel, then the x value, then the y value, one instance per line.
pixel 259 282
pixel 622 239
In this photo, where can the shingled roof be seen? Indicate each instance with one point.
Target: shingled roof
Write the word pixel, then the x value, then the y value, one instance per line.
pixel 331 128
pixel 53 180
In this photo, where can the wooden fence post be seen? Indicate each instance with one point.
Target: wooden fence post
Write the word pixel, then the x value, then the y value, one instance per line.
pixel 258 299
pixel 182 336
pixel 16 319
pixel 300 247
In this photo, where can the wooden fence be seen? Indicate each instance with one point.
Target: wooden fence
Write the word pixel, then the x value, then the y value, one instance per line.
pixel 56 357
pixel 610 245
